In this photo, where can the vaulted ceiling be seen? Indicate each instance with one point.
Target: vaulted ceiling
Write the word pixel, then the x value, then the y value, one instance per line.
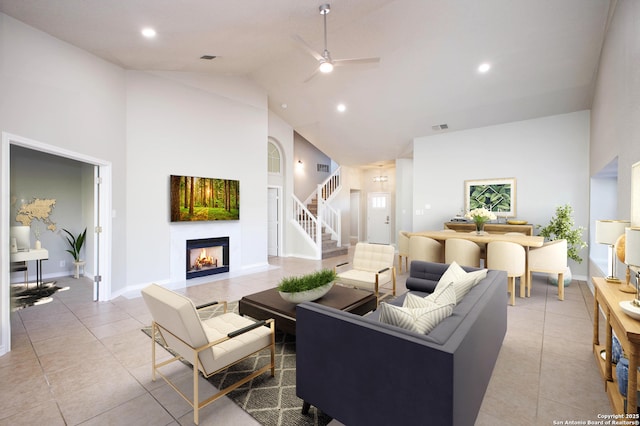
pixel 543 54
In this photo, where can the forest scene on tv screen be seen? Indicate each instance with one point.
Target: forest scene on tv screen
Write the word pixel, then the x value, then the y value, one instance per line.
pixel 197 198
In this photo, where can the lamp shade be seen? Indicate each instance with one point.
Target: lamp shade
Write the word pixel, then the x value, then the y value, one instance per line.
pixel 632 247
pixel 608 231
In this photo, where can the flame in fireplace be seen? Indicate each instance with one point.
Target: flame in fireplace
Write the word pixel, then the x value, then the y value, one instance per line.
pixel 204 260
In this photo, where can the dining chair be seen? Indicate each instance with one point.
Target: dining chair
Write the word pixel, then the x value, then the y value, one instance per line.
pixel 510 257
pixel 403 250
pixel 463 252
pixel 550 258
pixel 425 249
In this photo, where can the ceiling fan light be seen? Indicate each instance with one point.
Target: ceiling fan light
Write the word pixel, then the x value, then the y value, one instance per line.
pixel 326 67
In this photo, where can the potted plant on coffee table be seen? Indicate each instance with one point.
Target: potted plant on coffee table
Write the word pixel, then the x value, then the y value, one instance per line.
pixel 307 288
pixel 561 226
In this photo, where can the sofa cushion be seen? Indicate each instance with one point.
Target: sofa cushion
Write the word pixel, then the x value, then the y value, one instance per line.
pixel 445 294
pixel 462 280
pixel 420 320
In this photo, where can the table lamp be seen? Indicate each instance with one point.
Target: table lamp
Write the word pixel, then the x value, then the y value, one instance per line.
pixel 607 232
pixel 620 253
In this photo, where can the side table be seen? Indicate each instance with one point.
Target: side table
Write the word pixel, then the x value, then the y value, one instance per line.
pixel 608 297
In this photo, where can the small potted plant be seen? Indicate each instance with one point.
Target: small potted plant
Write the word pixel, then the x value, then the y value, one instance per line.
pixel 307 288
pixel 561 226
pixel 75 244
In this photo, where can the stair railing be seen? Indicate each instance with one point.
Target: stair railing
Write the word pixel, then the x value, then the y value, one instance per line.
pixel 307 223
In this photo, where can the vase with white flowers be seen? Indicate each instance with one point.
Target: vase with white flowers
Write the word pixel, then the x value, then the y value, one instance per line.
pixel 480 216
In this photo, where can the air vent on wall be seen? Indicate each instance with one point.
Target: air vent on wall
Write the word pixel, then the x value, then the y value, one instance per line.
pixel 207 57
pixel 439 127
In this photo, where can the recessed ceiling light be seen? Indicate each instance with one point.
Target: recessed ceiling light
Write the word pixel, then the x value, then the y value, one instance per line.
pixel 284 106
pixel 148 32
pixel 484 67
pixel 341 107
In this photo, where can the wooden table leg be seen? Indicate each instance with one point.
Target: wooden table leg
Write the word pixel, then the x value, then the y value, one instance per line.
pixel 609 373
pixel 632 390
pixel 596 318
pixel 561 286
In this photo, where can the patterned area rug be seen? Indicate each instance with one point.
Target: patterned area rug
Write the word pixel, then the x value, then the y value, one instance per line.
pixel 25 295
pixel 272 401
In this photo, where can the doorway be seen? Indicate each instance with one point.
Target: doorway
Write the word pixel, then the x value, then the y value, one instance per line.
pixel 354 224
pixel 379 217
pixel 98 245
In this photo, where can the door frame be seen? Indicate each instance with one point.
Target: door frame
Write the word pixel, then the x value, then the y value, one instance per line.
pixel 102 210
pixel 278 188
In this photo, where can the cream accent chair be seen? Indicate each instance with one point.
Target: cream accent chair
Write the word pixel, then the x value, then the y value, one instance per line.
pixel 210 346
pixel 425 249
pixel 510 257
pixel 463 252
pixel 403 250
pixel 550 258
pixel 372 267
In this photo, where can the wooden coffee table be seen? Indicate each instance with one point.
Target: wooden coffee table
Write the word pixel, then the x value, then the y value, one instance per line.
pixel 268 304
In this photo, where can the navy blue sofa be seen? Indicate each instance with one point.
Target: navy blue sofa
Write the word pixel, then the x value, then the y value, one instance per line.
pixel 362 372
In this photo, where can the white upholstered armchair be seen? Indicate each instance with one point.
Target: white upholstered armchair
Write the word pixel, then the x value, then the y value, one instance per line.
pixel 550 258
pixel 210 346
pixel 372 267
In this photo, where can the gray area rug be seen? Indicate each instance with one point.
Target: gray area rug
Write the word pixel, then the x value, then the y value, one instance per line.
pixel 272 401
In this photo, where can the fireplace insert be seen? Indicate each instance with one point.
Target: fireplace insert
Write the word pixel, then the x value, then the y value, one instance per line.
pixel 207 256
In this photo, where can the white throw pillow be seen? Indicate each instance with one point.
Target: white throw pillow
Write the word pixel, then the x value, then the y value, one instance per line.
pixel 462 281
pixel 444 294
pixel 419 320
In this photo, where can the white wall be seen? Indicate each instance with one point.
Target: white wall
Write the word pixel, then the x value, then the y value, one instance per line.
pixel 615 118
pixel 61 96
pixel 548 157
pixel 177 124
pixel 306 175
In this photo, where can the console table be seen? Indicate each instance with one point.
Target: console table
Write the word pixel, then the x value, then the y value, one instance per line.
pixel 33 254
pixel 608 297
pixel 494 228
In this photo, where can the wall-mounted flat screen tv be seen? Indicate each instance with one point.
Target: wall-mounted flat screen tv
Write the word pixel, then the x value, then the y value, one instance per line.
pixel 204 199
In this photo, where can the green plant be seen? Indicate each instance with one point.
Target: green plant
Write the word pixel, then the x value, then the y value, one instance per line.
pixel 306 282
pixel 76 243
pixel 561 226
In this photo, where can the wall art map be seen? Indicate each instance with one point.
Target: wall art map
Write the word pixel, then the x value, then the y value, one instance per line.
pixel 37 209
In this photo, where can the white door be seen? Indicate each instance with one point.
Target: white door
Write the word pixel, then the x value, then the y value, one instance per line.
pixel 273 222
pixel 379 218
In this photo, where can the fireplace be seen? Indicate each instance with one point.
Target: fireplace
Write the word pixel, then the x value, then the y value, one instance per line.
pixel 207 256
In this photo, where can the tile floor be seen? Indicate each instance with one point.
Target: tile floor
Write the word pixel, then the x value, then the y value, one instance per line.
pixel 75 361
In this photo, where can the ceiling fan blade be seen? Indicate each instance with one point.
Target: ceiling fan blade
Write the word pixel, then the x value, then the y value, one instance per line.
pixel 306 47
pixel 340 62
pixel 316 72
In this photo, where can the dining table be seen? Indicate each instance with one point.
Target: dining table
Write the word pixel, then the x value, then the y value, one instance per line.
pixel 526 241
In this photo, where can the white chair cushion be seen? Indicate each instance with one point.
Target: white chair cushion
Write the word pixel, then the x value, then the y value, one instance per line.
pixel 233 349
pixel 462 281
pixel 419 320
pixel 363 279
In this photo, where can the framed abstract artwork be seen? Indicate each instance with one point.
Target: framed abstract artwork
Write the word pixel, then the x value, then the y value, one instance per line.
pixel 496 195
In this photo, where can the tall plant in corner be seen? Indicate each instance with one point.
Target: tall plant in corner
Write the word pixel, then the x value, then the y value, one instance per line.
pixel 561 226
pixel 76 244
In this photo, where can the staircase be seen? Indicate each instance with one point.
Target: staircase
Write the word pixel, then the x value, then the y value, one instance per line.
pixel 329 246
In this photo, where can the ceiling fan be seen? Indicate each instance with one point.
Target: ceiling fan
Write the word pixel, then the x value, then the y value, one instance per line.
pixel 326 63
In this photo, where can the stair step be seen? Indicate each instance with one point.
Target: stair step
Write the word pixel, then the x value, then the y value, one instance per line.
pixel 338 251
pixel 329 244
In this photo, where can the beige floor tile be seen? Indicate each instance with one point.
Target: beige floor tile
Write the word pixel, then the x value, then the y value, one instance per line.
pixel 143 410
pixel 91 360
pixel 46 413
